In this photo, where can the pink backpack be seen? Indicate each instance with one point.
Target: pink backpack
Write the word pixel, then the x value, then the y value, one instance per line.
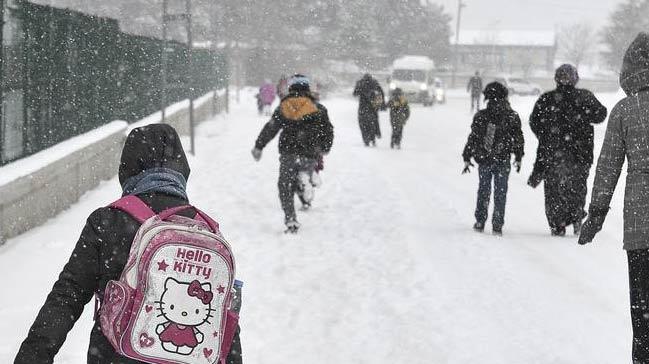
pixel 172 301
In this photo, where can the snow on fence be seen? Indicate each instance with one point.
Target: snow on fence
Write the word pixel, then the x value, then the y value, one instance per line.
pixel 38 187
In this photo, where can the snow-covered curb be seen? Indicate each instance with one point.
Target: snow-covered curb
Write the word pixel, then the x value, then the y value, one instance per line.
pixel 28 165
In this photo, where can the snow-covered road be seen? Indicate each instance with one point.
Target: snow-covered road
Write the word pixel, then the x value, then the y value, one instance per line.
pixel 386 268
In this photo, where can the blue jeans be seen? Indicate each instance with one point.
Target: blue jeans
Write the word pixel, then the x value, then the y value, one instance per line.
pixel 499 173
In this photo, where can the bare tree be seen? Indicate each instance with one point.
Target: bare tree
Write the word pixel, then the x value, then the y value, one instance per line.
pixel 577 43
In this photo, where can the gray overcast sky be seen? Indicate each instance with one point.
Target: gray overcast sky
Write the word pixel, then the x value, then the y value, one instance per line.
pixel 529 14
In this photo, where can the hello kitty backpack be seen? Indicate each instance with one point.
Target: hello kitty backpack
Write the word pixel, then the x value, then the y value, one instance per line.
pixel 172 301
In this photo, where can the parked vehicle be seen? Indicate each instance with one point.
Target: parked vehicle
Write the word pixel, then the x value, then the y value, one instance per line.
pixel 520 86
pixel 414 75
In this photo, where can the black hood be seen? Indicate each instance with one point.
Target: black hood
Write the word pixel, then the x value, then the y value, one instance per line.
pixel 634 75
pixel 155 145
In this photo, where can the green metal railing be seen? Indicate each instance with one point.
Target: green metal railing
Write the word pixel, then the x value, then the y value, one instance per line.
pixel 64 73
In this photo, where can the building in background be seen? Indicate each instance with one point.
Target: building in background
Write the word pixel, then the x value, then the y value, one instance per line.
pixel 522 53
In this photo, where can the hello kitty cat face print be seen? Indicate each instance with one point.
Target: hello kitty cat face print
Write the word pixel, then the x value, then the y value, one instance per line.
pixel 184 306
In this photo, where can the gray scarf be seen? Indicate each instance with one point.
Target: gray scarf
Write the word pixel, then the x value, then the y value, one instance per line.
pixel 160 180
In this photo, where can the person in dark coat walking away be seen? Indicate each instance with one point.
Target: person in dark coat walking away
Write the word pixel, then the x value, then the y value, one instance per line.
pixel 495 135
pixel 626 137
pixel 399 114
pixel 474 87
pixel 371 100
pixel 153 167
pixel 562 121
pixel 306 134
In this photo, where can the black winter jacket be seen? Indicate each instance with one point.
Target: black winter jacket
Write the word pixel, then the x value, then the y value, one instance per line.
pixel 399 110
pixel 562 121
pixel 370 95
pixel 101 253
pixel 304 124
pixel 495 135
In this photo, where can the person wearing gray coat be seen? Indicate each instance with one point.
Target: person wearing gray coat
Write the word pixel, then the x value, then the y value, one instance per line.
pixel 627 136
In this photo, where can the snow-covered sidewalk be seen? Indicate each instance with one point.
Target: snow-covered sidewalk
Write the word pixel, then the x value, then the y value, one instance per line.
pixel 386 268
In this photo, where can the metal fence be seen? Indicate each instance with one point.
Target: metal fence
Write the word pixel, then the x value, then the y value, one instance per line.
pixel 64 73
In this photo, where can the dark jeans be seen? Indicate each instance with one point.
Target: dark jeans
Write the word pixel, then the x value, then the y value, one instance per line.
pixel 475 102
pixel 499 173
pixel 639 294
pixel 565 193
pixel 289 167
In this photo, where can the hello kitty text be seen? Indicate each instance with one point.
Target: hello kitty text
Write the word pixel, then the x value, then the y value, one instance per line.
pixel 193 262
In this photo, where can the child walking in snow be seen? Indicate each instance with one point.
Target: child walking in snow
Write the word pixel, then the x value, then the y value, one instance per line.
pixel 153 168
pixel 495 135
pixel 399 114
pixel 305 135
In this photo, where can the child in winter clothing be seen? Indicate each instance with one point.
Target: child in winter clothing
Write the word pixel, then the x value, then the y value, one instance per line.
pixel 266 96
pixel 154 168
pixel 399 114
pixel 495 135
pixel 306 134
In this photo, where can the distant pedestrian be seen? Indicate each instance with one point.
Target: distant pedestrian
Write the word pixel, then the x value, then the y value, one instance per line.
pixel 562 121
pixel 474 87
pixel 399 114
pixel 306 134
pixel 495 135
pixel 266 97
pixel 371 100
pixel 626 138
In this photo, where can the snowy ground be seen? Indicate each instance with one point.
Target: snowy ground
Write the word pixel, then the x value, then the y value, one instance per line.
pixel 386 268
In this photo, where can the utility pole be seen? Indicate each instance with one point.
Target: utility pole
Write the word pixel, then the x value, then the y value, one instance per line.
pixel 2 88
pixel 215 48
pixel 460 6
pixel 188 83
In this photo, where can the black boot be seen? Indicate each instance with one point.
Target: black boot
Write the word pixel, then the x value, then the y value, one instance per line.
pixel 292 226
pixel 478 227
pixel 577 227
pixel 558 231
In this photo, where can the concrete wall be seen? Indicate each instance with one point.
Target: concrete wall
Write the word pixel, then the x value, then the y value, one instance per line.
pixel 29 201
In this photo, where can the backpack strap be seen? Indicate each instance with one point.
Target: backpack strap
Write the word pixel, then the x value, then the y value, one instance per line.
pixel 135 207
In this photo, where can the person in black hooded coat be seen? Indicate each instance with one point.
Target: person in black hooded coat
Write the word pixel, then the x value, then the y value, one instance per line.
pixel 154 167
pixel 562 121
pixel 495 135
pixel 371 100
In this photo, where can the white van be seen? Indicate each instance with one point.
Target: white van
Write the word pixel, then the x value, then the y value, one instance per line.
pixel 414 75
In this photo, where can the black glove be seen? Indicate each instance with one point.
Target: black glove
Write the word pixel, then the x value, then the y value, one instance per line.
pixel 535 179
pixel 467 165
pixel 256 154
pixel 591 227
